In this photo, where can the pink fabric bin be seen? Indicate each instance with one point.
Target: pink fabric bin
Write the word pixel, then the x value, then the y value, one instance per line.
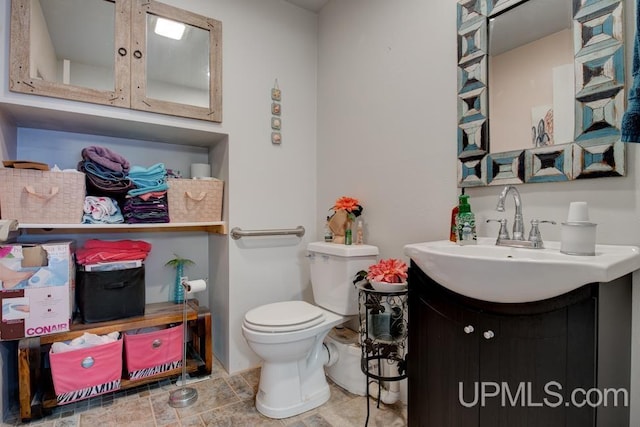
pixel 87 372
pixel 154 352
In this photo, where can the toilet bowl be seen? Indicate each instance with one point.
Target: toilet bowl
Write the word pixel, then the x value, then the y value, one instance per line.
pixel 288 336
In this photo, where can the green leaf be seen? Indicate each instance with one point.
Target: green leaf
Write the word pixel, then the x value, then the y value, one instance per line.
pixel 178 260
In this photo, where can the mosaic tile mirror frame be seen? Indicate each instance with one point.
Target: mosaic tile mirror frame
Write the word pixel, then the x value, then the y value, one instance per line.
pixel 599 61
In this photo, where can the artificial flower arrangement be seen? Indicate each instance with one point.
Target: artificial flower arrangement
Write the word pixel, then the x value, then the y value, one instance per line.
pixel 345 210
pixel 386 275
pixel 350 205
pixel 388 270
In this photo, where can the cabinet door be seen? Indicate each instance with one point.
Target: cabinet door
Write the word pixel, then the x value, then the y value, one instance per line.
pixel 524 355
pixel 442 364
pixel 177 74
pixel 76 50
pixel 538 360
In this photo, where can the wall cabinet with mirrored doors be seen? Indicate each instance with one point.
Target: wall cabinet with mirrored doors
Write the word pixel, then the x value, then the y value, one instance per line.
pixel 138 54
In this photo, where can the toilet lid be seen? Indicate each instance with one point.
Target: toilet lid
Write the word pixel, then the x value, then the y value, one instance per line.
pixel 286 316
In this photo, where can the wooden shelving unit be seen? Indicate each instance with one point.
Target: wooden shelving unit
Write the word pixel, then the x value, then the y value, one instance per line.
pixel 36 391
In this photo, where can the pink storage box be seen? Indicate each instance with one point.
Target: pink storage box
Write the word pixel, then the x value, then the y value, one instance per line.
pixel 86 372
pixel 154 352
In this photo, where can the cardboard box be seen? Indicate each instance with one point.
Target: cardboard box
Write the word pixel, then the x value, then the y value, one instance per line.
pixel 37 284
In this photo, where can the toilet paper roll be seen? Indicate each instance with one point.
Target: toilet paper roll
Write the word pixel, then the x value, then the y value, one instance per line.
pixel 200 170
pixel 196 286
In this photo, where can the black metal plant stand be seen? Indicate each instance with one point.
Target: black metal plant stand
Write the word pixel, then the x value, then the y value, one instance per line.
pixel 383 337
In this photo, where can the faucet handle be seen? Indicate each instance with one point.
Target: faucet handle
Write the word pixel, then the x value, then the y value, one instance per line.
pixel 503 234
pixel 534 235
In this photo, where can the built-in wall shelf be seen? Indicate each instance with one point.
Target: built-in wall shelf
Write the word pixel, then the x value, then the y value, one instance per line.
pixel 216 227
pixel 77 117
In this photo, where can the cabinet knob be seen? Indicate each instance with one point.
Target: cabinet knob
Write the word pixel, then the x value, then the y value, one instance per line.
pixel 488 334
pixel 468 329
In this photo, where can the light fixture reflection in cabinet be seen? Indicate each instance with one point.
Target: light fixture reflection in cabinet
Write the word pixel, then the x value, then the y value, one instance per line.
pixel 168 28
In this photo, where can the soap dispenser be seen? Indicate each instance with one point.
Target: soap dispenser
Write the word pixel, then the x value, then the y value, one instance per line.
pixel 453 231
pixel 465 222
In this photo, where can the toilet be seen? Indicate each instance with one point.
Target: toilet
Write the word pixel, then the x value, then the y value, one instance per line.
pixel 289 336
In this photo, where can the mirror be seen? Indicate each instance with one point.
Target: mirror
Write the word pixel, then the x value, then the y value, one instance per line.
pixel 65 49
pixel 176 74
pixel 60 51
pixel 556 73
pixel 109 52
pixel 530 62
pixel 184 75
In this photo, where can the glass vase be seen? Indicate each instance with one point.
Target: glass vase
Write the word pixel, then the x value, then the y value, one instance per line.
pixel 178 289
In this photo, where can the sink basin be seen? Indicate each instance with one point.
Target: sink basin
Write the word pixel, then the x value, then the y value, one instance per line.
pixel 513 275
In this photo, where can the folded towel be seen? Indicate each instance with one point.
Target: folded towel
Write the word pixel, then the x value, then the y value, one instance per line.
pixel 630 128
pixel 151 177
pixel 148 189
pixel 116 245
pixel 156 169
pixel 107 158
pixel 95 251
pixel 101 210
pixel 101 171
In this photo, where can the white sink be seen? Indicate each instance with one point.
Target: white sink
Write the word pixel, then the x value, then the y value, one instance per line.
pixel 511 275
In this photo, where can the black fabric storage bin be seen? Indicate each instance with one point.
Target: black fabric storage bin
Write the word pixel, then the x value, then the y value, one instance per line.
pixel 110 295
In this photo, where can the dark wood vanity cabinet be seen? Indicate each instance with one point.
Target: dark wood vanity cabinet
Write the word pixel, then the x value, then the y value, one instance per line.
pixel 477 363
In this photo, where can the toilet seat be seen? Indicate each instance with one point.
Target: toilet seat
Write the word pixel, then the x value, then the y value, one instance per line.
pixel 286 316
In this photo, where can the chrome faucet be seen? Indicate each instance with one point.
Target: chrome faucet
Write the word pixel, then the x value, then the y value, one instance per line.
pixel 517 239
pixel 518 225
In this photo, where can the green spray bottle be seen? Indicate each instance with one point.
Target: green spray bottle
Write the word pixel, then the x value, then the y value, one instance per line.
pixel 465 222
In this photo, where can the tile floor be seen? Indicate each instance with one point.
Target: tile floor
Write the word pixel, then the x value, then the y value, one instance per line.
pixel 223 400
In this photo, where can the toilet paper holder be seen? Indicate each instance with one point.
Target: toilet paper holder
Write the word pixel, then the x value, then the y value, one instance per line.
pixel 6 226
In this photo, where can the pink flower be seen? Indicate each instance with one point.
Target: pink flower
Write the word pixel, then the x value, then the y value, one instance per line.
pixel 388 270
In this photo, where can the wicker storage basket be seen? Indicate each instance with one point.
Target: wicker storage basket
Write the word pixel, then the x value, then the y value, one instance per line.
pixel 195 200
pixel 37 197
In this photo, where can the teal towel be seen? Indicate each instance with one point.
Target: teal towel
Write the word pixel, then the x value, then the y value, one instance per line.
pixel 630 129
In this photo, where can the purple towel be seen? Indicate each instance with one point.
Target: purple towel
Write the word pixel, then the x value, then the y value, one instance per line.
pixel 107 158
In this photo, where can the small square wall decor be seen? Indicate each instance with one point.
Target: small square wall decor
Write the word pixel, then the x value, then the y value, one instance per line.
pixel 276 123
pixel 276 138
pixel 275 92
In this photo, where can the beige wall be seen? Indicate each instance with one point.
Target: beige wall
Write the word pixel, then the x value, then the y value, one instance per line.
pixel 387 115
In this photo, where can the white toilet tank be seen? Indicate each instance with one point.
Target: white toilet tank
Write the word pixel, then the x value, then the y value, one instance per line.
pixel 333 269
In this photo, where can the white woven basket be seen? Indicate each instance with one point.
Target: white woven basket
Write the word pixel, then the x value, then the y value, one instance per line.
pixel 195 200
pixel 41 197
